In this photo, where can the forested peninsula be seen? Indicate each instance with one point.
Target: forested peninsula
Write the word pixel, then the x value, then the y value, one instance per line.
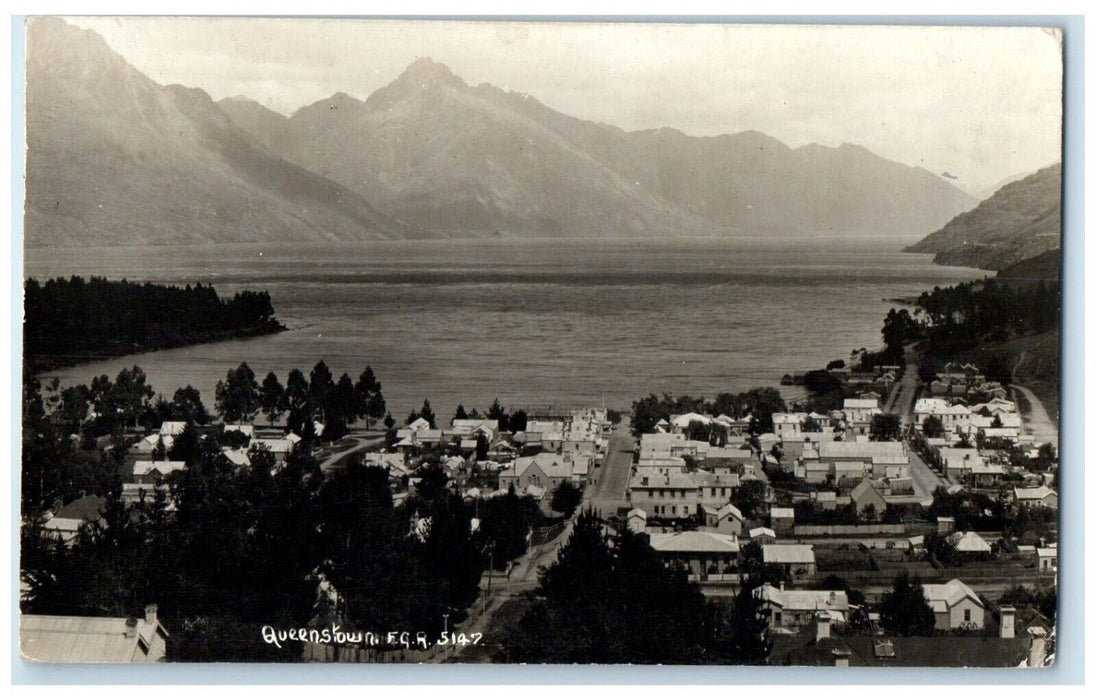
pixel 71 321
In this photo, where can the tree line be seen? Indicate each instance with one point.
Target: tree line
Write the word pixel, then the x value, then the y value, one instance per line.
pixel 759 403
pixel 68 321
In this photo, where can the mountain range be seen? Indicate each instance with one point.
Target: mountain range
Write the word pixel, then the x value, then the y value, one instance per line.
pixel 1021 221
pixel 114 158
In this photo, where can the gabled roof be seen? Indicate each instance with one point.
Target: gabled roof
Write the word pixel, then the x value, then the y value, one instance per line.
pixel 877 452
pixel 803 601
pixel 762 532
pixel 1035 494
pixel 71 639
pixel 144 468
pixel 728 511
pixel 172 427
pixel 694 541
pixel 968 542
pixel 245 428
pixel 944 596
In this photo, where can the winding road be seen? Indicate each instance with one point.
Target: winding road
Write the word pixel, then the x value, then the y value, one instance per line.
pixel 1037 419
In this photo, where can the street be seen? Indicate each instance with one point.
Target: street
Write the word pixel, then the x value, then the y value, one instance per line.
pixel 611 490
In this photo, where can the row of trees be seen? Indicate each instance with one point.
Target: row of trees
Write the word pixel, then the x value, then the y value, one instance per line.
pixel 612 600
pixel 759 404
pixel 319 397
pixel 508 422
pixel 73 320
pixel 243 547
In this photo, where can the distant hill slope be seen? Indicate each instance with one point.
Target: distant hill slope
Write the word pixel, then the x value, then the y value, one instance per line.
pixel 462 160
pixel 1046 266
pixel 1021 220
pixel 114 158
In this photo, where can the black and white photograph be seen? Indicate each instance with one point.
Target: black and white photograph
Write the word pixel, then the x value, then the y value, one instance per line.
pixel 437 341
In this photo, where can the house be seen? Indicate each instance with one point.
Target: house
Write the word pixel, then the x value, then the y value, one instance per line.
pixel 245 428
pixel 987 475
pixel 72 639
pixel 68 520
pixel 150 472
pixel 797 560
pixel 172 427
pixel 955 605
pixel 1047 559
pixel 968 543
pixel 954 417
pixel 279 448
pixel 637 520
pixel 1040 497
pixel 665 495
pixel 867 494
pixel 959 462
pixel 681 423
pixel 714 490
pixel 393 461
pixel 238 456
pixel 763 535
pixel 782 520
pixel 543 471
pixel 827 500
pixel 727 520
pixel 149 442
pixel 854 460
pixel 788 608
pixel 788 425
pixel 702 553
pixel 858 415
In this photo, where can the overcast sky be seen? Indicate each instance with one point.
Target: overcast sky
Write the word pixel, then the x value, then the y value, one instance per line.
pixel 981 104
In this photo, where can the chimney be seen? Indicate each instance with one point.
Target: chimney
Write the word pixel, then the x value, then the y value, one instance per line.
pixel 1008 622
pixel 1037 655
pixel 150 613
pixel 821 626
pixel 131 627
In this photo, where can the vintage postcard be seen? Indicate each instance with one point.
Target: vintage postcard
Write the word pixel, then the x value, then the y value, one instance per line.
pixel 484 342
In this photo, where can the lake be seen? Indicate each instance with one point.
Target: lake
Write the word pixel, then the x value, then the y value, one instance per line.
pixel 538 323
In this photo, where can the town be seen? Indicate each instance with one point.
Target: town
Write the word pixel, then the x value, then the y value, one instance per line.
pixel 822 522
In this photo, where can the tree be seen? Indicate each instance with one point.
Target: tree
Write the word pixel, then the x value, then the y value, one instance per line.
pixel 749 498
pixel 566 498
pixel 518 420
pixel 750 642
pixel 320 383
pixel 186 405
pixel 296 390
pixel 885 427
pixel 932 427
pixel 370 400
pixel 271 398
pixel 905 610
pixel 496 412
pixel 460 414
pixel 187 445
pixel 237 397
pixel 427 414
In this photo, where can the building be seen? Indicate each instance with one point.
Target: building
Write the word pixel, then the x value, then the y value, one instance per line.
pixel 543 471
pixel 854 460
pixel 788 608
pixel 151 472
pixel 955 605
pixel 703 553
pixel 859 414
pixel 954 417
pixel 1047 559
pixel 968 543
pixel 669 495
pixel 727 520
pixel 797 560
pixel 68 520
pixel 782 520
pixel 762 535
pixel 82 640
pixel 1040 497
pixel 867 494
pixel 959 462
pixel 788 426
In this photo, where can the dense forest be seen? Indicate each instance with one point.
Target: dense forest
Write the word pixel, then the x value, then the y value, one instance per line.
pixel 68 321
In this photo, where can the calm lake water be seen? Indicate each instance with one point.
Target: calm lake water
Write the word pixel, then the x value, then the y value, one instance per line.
pixel 562 323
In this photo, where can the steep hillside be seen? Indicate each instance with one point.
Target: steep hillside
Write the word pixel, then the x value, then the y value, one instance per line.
pixel 114 158
pixel 1021 220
